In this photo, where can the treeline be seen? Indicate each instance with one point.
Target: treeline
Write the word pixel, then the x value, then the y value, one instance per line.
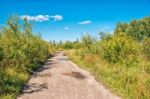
pixel 21 51
pixel 61 45
pixel 120 60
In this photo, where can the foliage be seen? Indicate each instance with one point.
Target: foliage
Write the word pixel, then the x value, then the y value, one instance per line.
pixel 121 27
pixel 87 40
pixel 119 48
pixel 139 29
pixel 20 52
pixel 121 60
pixel 104 35
pixel 68 45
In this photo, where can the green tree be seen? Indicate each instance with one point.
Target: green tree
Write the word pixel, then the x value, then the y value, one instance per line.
pixel 87 40
pixel 138 29
pixel 121 27
pixel 104 35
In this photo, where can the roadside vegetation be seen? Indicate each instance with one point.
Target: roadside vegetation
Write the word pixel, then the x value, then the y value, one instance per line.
pixel 120 60
pixel 21 51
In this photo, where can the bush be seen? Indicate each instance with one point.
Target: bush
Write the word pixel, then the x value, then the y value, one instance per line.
pixel 20 52
pixel 119 48
pixel 68 45
pixel 87 40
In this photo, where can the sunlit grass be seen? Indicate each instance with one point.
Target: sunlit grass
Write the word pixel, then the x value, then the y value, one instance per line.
pixel 127 82
pixel 7 96
pixel 12 82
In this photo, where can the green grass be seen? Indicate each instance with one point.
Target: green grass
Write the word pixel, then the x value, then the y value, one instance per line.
pixel 11 83
pixel 127 82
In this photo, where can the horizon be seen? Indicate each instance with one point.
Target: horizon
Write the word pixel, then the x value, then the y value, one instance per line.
pixel 68 20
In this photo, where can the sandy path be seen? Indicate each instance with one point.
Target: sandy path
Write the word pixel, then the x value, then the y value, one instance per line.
pixel 62 79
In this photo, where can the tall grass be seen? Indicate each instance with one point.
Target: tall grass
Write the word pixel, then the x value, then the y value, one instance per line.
pixel 129 82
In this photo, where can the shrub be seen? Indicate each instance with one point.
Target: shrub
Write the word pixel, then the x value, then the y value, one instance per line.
pixel 20 52
pixel 119 48
pixel 87 40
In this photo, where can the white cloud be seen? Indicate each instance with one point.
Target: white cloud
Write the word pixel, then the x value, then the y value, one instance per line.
pixel 41 18
pixel 66 28
pixel 85 22
pixel 57 17
pixel 38 18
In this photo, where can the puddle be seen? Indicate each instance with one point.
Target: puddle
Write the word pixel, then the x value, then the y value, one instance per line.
pixel 77 75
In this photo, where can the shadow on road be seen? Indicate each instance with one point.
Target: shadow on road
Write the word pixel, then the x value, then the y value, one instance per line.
pixel 34 87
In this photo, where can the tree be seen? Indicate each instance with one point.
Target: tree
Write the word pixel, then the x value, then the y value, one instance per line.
pixel 138 29
pixel 121 27
pixel 104 35
pixel 87 40
pixel 68 45
pixel 27 27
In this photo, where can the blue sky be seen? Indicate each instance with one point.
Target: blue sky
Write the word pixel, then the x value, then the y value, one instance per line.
pixel 69 19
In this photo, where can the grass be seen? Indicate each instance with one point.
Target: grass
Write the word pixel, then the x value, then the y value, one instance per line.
pixel 127 82
pixel 12 82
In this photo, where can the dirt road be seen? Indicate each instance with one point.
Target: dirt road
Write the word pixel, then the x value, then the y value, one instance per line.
pixel 62 79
